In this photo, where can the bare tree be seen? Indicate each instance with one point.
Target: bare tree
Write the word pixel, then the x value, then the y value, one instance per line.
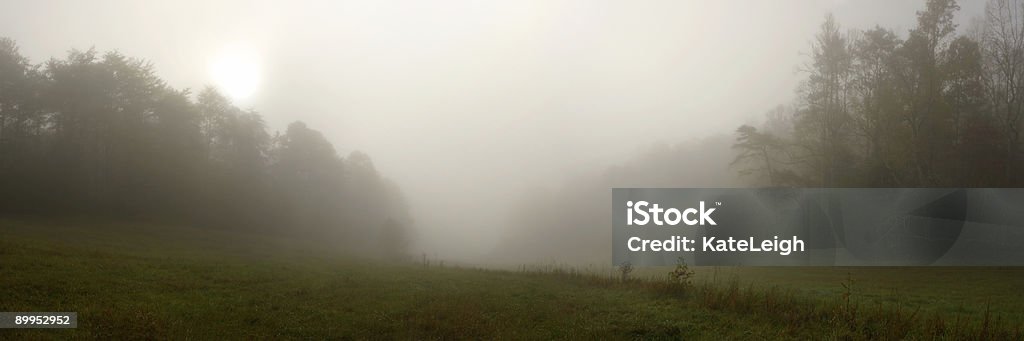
pixel 1003 45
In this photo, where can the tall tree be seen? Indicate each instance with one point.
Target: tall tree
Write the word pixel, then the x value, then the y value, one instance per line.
pixel 823 123
pixel 926 109
pixel 964 95
pixel 1003 46
pixel 876 106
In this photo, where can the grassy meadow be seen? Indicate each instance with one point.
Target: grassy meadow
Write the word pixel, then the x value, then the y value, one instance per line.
pixel 149 281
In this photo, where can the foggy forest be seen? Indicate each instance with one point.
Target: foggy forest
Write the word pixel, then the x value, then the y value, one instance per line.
pixel 234 169
pixel 101 134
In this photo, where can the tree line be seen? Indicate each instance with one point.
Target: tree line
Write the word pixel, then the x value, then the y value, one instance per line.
pixel 934 108
pixel 102 135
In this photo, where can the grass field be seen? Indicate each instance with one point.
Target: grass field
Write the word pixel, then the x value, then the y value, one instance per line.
pixel 152 281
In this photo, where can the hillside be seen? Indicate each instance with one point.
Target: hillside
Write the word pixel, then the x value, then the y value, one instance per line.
pixel 134 280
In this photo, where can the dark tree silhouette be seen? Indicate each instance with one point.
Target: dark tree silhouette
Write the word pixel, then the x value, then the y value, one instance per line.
pixel 103 135
pixel 935 109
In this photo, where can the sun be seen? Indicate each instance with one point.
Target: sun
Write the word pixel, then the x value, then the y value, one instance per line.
pixel 236 71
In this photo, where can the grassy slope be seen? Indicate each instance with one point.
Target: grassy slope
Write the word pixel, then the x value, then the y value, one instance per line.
pixel 143 281
pixel 147 281
pixel 944 290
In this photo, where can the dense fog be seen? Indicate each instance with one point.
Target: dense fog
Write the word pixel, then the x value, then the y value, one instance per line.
pixel 502 124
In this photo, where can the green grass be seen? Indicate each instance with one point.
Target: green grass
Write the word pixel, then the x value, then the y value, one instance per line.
pixel 152 281
pixel 948 291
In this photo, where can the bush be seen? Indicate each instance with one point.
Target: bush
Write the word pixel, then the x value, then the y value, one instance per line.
pixel 625 269
pixel 681 274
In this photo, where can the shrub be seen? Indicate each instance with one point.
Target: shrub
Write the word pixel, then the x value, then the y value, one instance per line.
pixel 681 274
pixel 625 269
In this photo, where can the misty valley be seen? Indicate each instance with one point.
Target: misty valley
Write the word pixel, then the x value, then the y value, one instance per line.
pixel 230 169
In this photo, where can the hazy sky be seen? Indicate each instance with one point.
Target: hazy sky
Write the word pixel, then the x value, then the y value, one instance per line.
pixel 470 102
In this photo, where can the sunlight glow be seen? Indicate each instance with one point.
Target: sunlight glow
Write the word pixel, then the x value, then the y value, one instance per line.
pixel 236 71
